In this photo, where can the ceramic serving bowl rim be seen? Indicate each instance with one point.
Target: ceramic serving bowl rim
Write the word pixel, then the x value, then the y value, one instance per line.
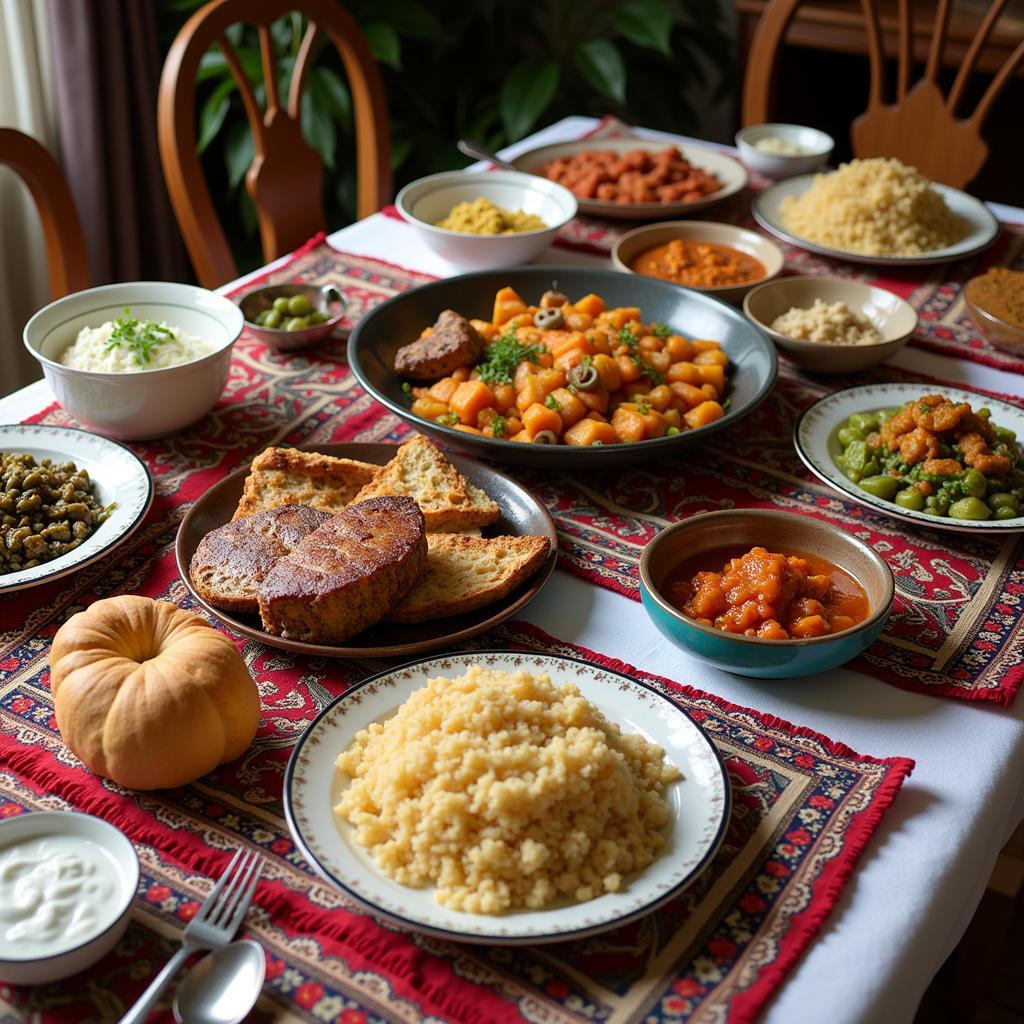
pixel 752 132
pixel 528 183
pixel 34 345
pixel 713 290
pixel 878 613
pixel 114 838
pixel 800 344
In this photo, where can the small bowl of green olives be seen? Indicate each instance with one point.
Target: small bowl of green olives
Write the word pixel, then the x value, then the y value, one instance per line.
pixel 292 316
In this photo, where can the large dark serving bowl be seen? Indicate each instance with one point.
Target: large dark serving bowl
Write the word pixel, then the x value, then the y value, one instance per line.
pixel 376 339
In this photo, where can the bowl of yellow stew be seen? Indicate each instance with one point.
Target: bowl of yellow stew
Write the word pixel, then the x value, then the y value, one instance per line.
pixel 718 259
pixel 488 219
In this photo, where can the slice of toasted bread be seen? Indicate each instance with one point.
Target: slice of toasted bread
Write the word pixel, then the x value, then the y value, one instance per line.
pixel 465 573
pixel 448 500
pixel 347 574
pixel 287 476
pixel 230 562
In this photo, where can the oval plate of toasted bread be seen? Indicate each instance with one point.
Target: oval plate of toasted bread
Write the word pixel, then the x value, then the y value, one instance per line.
pixel 365 550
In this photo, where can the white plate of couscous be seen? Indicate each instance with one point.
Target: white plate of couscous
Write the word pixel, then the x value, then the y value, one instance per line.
pixel 506 797
pixel 876 211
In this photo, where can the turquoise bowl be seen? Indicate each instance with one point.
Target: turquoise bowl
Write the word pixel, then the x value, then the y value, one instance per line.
pixel 740 530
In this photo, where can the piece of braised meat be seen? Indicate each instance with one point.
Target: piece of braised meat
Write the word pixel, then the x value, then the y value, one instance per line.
pixel 452 343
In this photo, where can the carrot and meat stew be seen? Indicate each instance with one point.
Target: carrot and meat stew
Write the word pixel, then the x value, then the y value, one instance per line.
pixel 770 595
pixel 699 264
pixel 563 372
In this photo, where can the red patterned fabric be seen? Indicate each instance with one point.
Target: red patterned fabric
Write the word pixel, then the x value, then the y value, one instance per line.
pixel 804 809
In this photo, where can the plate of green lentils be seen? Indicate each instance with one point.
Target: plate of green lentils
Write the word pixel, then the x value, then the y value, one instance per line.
pixel 930 454
pixel 67 497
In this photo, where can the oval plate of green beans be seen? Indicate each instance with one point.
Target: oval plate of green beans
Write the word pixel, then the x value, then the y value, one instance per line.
pixel 834 438
pixel 67 498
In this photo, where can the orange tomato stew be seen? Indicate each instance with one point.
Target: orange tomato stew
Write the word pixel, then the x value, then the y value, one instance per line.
pixel 767 594
pixel 698 264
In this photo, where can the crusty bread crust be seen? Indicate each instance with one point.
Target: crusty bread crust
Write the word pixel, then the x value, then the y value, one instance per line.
pixel 343 577
pixel 448 500
pixel 287 476
pixel 466 573
pixel 230 562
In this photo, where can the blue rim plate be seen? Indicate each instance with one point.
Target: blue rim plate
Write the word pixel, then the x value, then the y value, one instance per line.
pixel 118 475
pixel 817 444
pixel 699 803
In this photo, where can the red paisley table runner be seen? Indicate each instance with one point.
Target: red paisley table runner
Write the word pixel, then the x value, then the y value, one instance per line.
pixel 957 628
pixel 935 292
pixel 804 809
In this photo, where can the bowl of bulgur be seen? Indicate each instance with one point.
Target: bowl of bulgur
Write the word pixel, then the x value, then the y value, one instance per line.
pixel 830 325
pixel 506 797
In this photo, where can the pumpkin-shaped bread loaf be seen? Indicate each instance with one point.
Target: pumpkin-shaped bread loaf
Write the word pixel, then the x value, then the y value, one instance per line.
pixel 150 695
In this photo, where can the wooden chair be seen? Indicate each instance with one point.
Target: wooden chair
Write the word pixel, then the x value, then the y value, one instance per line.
pixel 66 254
pixel 286 177
pixel 921 127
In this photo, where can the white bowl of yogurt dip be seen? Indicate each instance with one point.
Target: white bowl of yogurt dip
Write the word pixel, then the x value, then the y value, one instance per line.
pixel 137 360
pixel 67 883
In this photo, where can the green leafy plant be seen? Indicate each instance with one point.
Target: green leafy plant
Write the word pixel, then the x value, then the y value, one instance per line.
pixel 491 70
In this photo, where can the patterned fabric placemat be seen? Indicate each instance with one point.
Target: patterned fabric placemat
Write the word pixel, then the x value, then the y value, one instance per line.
pixel 935 292
pixel 957 628
pixel 804 809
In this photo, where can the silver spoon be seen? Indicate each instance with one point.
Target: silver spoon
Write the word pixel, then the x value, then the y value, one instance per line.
pixel 479 152
pixel 223 987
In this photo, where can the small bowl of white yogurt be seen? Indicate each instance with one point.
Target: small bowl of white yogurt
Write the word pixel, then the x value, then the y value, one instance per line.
pixel 782 150
pixel 137 360
pixel 67 882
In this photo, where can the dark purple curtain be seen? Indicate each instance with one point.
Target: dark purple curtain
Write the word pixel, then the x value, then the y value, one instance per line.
pixel 107 67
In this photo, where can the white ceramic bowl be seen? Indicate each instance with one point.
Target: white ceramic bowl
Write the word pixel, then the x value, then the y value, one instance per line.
pixel 65 962
pixel 150 403
pixel 893 318
pixel 634 242
pixel 425 201
pixel 817 148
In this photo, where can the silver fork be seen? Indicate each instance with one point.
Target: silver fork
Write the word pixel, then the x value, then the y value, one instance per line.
pixel 213 927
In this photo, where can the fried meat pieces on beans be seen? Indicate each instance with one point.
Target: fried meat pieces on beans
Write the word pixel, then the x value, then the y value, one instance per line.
pixel 452 342
pixel 914 431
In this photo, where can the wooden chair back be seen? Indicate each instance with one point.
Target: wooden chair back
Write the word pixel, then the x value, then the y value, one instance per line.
pixel 66 254
pixel 286 176
pixel 921 126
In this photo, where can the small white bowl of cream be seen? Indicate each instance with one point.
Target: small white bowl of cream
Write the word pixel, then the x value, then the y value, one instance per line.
pixel 782 150
pixel 67 883
pixel 137 360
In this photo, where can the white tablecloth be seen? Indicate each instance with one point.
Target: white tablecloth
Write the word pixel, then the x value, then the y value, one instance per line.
pixel 918 883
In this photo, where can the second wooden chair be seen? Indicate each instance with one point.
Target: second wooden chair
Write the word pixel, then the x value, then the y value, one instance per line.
pixel 286 176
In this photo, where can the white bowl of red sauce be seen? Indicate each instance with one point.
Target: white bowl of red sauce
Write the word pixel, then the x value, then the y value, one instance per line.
pixel 720 260
pixel 765 593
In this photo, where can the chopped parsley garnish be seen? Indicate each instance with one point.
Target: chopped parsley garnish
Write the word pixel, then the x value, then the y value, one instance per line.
pixel 140 337
pixel 552 403
pixel 449 419
pixel 661 330
pixel 498 426
pixel 627 337
pixel 407 387
pixel 643 406
pixel 648 371
pixel 587 362
pixel 502 357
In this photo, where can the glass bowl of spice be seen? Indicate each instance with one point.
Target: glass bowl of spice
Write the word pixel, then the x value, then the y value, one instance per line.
pixel 995 301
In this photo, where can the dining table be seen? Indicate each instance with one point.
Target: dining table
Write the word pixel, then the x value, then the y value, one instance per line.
pixel 881 918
